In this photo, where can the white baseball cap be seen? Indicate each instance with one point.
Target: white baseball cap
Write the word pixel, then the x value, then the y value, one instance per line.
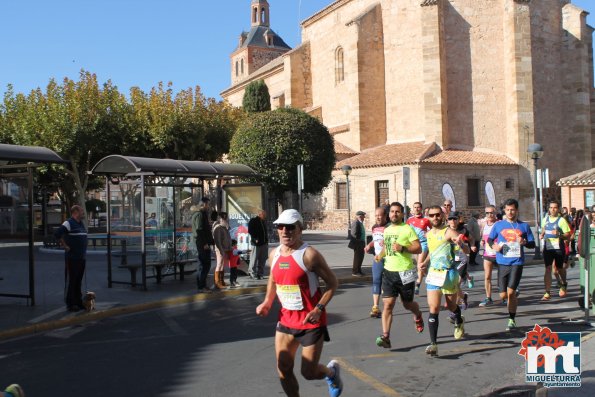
pixel 289 217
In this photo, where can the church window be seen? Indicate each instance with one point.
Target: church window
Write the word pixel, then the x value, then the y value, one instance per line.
pixel 254 15
pixel 237 69
pixel 341 195
pixel 242 66
pixel 339 66
pixel 262 16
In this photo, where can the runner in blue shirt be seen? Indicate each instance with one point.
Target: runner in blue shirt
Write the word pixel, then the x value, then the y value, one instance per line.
pixel 508 238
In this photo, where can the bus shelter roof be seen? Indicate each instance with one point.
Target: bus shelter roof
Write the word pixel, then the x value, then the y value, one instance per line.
pixel 118 165
pixel 36 154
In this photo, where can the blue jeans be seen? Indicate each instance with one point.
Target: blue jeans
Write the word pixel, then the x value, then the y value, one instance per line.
pixel 377 268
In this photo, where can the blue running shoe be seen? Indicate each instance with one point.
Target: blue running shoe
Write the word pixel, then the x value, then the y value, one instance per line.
pixel 335 384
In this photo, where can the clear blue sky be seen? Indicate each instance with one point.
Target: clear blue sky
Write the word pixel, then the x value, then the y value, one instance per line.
pixel 138 42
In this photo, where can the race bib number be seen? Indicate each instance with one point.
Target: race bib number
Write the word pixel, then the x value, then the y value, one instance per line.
pixel 408 276
pixel 552 244
pixel 290 297
pixel 457 258
pixel 488 251
pixel 512 250
pixel 436 277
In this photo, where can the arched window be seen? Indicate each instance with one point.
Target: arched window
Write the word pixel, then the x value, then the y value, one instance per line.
pixel 262 16
pixel 242 65
pixel 237 69
pixel 339 66
pixel 254 14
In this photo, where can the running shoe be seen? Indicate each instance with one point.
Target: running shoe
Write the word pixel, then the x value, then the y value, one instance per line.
pixel 432 349
pixel 511 325
pixel 419 324
pixel 335 384
pixel 452 317
pixel 486 302
pixel 375 313
pixel 562 291
pixel 465 303
pixel 383 341
pixel 460 329
pixel 546 297
pixel 470 282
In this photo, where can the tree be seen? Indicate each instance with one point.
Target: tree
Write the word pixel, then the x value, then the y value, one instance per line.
pixel 256 97
pixel 275 143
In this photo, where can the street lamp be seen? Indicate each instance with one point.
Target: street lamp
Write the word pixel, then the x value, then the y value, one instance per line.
pixel 346 171
pixel 536 151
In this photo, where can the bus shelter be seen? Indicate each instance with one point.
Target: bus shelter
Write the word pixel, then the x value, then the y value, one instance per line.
pixel 149 212
pixel 18 221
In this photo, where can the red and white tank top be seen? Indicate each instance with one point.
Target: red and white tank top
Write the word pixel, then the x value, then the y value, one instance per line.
pixel 298 289
pixel 488 252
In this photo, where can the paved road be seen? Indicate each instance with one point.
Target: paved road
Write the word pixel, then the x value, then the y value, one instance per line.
pixel 215 348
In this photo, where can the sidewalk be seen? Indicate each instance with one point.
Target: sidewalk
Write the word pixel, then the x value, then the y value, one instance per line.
pixel 49 312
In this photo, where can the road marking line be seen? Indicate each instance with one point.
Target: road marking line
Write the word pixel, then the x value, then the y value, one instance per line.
pixel 47 315
pixel 364 377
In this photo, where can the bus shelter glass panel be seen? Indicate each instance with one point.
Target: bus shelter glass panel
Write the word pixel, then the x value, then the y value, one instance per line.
pixel 159 223
pixel 14 229
pixel 187 195
pixel 125 222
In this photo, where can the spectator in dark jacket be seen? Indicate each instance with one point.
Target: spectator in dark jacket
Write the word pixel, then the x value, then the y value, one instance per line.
pixel 201 231
pixel 260 245
pixel 357 242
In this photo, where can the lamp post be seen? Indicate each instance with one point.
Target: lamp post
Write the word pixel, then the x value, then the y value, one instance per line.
pixel 536 151
pixel 346 171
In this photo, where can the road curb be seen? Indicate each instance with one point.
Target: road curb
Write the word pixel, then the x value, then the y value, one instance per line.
pixel 84 317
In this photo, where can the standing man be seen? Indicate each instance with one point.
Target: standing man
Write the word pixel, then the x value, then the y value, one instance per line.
pixel 73 237
pixel 554 230
pixel 418 221
pixel 399 274
pixel 443 276
pixel 513 236
pixel 489 255
pixel 259 238
pixel 377 244
pixel 295 269
pixel 201 231
pixel 474 231
pixel 357 242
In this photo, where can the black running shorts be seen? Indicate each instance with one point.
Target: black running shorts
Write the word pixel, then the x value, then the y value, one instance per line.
pixel 392 287
pixel 551 256
pixel 509 276
pixel 306 337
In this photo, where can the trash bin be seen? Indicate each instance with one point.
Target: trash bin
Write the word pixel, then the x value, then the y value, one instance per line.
pixel 591 270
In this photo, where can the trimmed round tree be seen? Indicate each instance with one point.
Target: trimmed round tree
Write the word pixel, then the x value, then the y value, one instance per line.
pixel 275 143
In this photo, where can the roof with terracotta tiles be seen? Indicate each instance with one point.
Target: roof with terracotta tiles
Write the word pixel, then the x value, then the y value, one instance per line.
pixel 582 178
pixel 388 155
pixel 468 157
pixel 342 149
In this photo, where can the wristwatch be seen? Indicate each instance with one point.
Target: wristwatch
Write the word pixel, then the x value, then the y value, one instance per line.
pixel 320 307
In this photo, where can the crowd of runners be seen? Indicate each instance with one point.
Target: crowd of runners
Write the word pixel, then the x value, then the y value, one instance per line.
pixel 435 245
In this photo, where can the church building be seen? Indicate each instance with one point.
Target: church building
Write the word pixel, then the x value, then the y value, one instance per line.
pixel 432 99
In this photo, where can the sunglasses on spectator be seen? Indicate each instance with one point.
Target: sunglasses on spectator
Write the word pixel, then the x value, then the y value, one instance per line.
pixel 453 219
pixel 286 227
pixel 437 214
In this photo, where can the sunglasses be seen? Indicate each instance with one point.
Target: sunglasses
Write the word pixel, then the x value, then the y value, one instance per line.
pixel 437 214
pixel 453 219
pixel 286 227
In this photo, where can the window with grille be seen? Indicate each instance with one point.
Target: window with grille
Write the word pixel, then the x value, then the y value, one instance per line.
pixel 381 192
pixel 341 194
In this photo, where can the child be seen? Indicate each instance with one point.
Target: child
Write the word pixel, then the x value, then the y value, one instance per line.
pixel 234 260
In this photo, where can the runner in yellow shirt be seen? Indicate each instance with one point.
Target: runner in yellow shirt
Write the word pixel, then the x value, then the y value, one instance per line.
pixel 399 274
pixel 554 230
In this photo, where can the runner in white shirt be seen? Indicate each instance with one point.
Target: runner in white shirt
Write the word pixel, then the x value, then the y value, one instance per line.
pixel 489 255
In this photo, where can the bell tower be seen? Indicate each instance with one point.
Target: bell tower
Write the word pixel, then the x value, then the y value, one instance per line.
pixel 260 13
pixel 257 47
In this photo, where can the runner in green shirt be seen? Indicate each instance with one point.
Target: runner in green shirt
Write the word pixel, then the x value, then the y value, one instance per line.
pixel 399 274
